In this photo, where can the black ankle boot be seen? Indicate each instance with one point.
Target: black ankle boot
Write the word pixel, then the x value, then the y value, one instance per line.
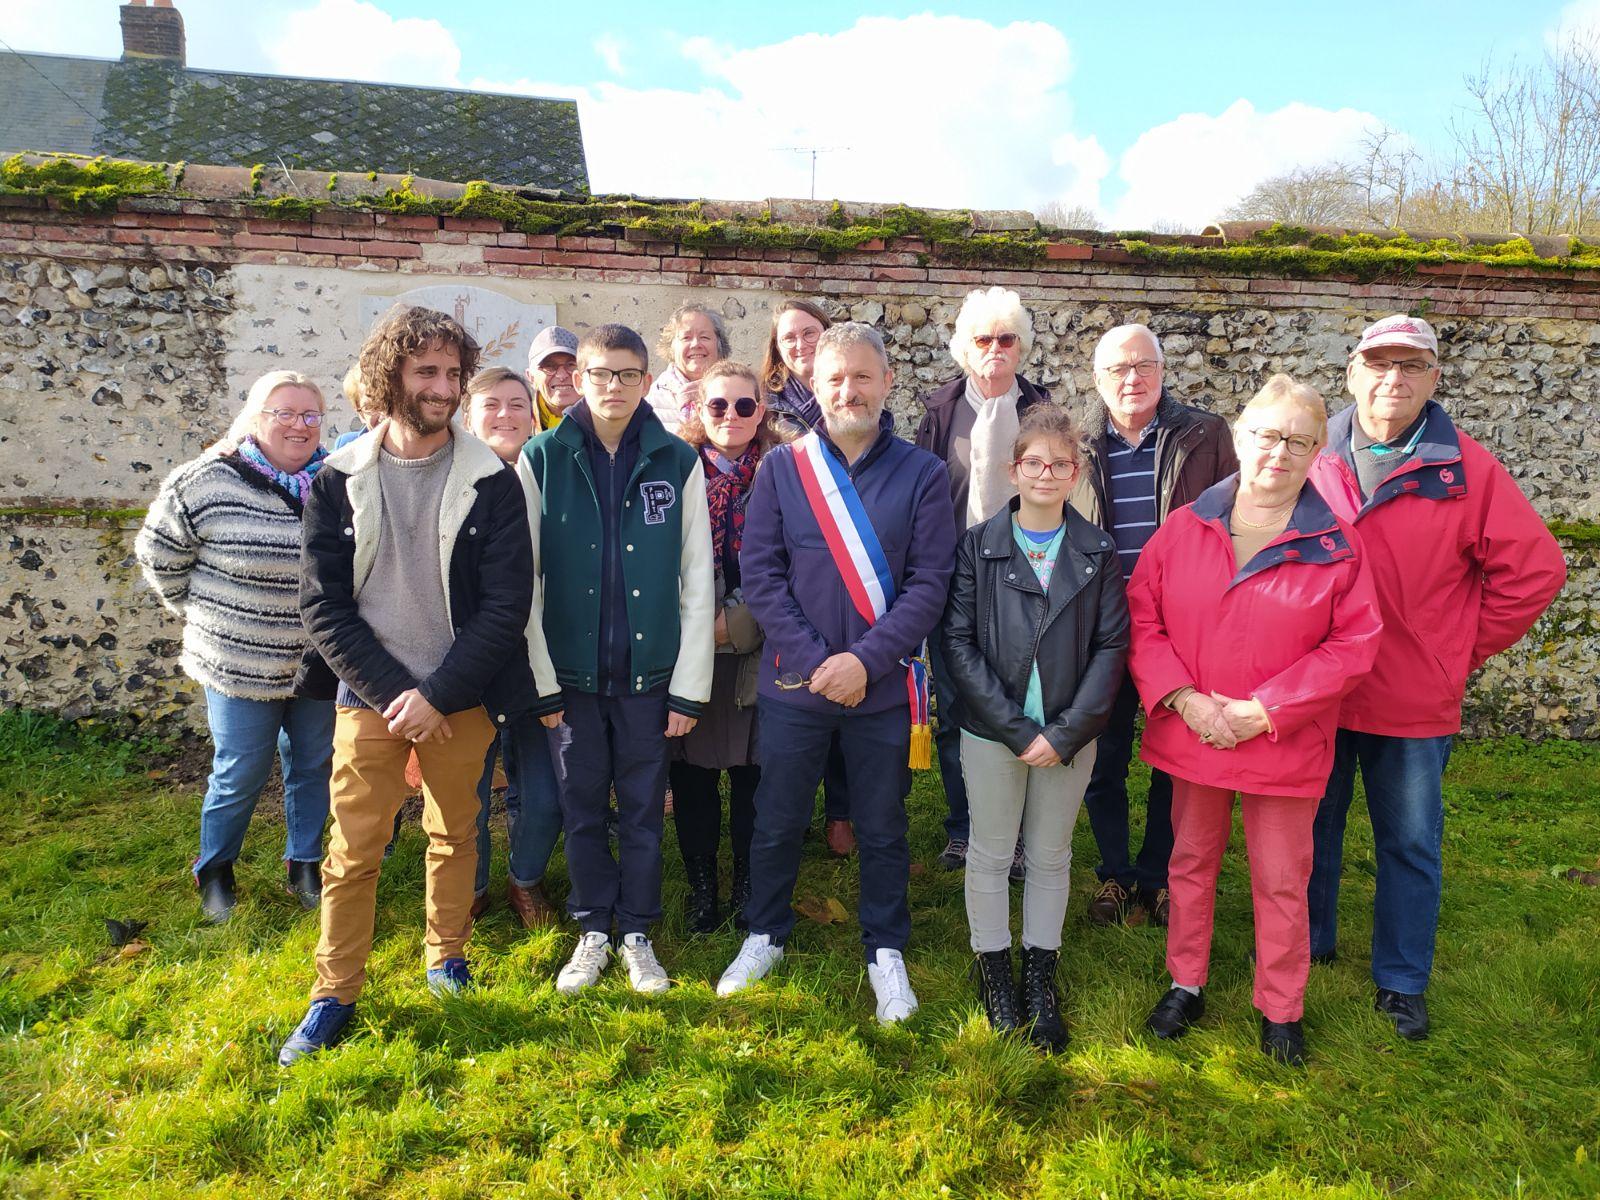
pixel 997 989
pixel 217 896
pixel 1041 1006
pixel 700 909
pixel 305 883
pixel 740 895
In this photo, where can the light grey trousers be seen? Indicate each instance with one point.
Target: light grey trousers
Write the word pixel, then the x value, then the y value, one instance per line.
pixel 1006 796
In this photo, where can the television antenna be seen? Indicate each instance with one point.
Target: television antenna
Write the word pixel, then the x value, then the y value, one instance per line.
pixel 813 151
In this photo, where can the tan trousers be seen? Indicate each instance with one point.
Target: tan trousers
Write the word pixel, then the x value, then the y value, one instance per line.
pixel 368 788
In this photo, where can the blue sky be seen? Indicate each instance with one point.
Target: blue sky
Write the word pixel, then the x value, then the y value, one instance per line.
pixel 1156 112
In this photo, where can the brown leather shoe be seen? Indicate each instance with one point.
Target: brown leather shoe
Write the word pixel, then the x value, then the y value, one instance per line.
pixel 841 839
pixel 1157 906
pixel 531 905
pixel 480 905
pixel 1110 904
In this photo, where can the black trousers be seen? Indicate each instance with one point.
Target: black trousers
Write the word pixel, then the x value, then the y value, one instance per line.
pixel 1107 802
pixel 697 808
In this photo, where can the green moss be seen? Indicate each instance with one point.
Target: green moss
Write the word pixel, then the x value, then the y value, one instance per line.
pixel 93 185
pixel 89 516
pixel 257 173
pixel 333 181
pixel 1577 533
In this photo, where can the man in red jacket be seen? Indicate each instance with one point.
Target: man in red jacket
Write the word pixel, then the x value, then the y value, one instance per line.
pixel 1463 566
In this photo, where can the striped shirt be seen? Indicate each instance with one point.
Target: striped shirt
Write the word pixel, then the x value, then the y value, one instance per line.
pixel 1131 492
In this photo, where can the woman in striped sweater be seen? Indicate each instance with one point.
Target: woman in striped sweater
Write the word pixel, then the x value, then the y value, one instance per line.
pixel 221 547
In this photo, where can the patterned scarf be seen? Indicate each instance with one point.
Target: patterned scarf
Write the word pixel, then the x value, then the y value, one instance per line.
pixel 727 488
pixel 297 485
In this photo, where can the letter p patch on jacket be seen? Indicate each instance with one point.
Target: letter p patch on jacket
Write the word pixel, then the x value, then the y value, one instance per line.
pixel 658 497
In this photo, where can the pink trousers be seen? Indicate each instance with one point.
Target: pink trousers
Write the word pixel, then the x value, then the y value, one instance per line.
pixel 1277 831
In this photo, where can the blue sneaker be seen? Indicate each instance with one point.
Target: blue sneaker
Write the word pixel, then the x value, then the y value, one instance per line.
pixel 451 979
pixel 323 1026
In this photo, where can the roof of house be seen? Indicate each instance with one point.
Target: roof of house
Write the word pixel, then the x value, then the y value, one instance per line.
pixel 163 112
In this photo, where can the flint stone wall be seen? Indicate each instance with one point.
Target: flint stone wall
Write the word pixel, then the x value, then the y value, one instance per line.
pixel 127 343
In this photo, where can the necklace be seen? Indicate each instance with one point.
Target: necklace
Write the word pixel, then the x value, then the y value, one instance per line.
pixel 1272 524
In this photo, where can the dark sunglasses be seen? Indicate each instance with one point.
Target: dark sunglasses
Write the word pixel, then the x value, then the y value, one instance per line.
pixel 744 406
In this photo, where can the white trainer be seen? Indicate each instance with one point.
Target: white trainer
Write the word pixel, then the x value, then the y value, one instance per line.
pixel 896 1000
pixel 583 969
pixel 756 957
pixel 644 969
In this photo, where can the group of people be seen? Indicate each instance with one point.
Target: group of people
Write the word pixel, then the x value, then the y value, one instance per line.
pixel 617 582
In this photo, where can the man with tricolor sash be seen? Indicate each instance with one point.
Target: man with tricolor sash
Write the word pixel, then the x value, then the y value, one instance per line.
pixel 849 543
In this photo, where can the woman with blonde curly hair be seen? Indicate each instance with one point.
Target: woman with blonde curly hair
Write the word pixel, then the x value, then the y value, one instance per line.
pixel 692 340
pixel 221 547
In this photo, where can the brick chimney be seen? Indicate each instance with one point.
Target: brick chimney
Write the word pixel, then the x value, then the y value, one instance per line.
pixel 154 34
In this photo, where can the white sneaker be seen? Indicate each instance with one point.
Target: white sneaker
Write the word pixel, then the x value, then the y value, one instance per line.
pixel 756 957
pixel 583 968
pixel 644 969
pixel 896 1000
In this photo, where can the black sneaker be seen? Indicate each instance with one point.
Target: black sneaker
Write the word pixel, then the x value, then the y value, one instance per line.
pixel 1409 1013
pixel 1175 1012
pixel 323 1026
pixel 954 855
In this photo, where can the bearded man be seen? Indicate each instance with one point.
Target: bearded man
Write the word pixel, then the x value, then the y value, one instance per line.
pixel 416 583
pixel 849 543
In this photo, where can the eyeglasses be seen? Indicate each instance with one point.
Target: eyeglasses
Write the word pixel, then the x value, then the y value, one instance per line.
pixel 1299 444
pixel 790 681
pixel 288 418
pixel 984 340
pixel 744 406
pixel 556 369
pixel 1144 368
pixel 805 338
pixel 1411 368
pixel 1035 468
pixel 602 376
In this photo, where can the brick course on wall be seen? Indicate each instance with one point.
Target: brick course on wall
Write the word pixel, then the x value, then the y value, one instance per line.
pixel 127 340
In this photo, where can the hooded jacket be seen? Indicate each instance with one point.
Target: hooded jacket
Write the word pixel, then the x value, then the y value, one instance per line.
pixel 483 554
pixel 1463 567
pixel 1296 628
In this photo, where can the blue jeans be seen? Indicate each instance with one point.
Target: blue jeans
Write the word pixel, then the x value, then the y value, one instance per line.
pixel 794 745
pixel 246 734
pixel 1404 779
pixel 533 802
pixel 1107 802
pixel 947 741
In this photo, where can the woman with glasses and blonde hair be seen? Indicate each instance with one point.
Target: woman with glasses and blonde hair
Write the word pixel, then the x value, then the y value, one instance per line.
pixel 1035 643
pixel 971 423
pixel 221 547
pixel 693 339
pixel 1254 613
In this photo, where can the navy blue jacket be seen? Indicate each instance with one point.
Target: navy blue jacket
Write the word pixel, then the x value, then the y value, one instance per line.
pixel 796 595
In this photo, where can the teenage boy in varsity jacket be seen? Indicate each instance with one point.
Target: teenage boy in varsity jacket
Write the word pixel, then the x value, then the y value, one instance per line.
pixel 620 638
pixel 848 518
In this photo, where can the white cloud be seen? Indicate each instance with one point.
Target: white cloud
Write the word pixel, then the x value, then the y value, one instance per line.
pixel 351 39
pixel 1191 168
pixel 609 48
pixel 927 110
pixel 1580 19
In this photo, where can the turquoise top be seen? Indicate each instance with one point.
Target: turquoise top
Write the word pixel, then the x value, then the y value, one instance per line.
pixel 1041 547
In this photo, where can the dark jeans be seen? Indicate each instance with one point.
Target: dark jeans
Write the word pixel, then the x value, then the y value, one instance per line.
pixel 1107 802
pixel 1404 778
pixel 533 802
pixel 794 748
pixel 697 808
pixel 947 739
pixel 601 743
pixel 835 799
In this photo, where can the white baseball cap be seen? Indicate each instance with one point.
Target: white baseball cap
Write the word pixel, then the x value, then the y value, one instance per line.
pixel 1399 330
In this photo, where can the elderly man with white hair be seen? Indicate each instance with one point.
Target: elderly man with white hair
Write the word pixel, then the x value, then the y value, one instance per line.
pixel 1150 456
pixel 971 423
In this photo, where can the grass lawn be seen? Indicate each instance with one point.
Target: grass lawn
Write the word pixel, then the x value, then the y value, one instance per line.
pixel 154 1074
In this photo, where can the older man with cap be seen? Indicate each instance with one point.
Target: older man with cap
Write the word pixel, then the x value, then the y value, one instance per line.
pixel 1150 457
pixel 551 360
pixel 1463 566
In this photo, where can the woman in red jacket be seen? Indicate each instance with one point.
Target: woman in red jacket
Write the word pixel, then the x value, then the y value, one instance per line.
pixel 1253 614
